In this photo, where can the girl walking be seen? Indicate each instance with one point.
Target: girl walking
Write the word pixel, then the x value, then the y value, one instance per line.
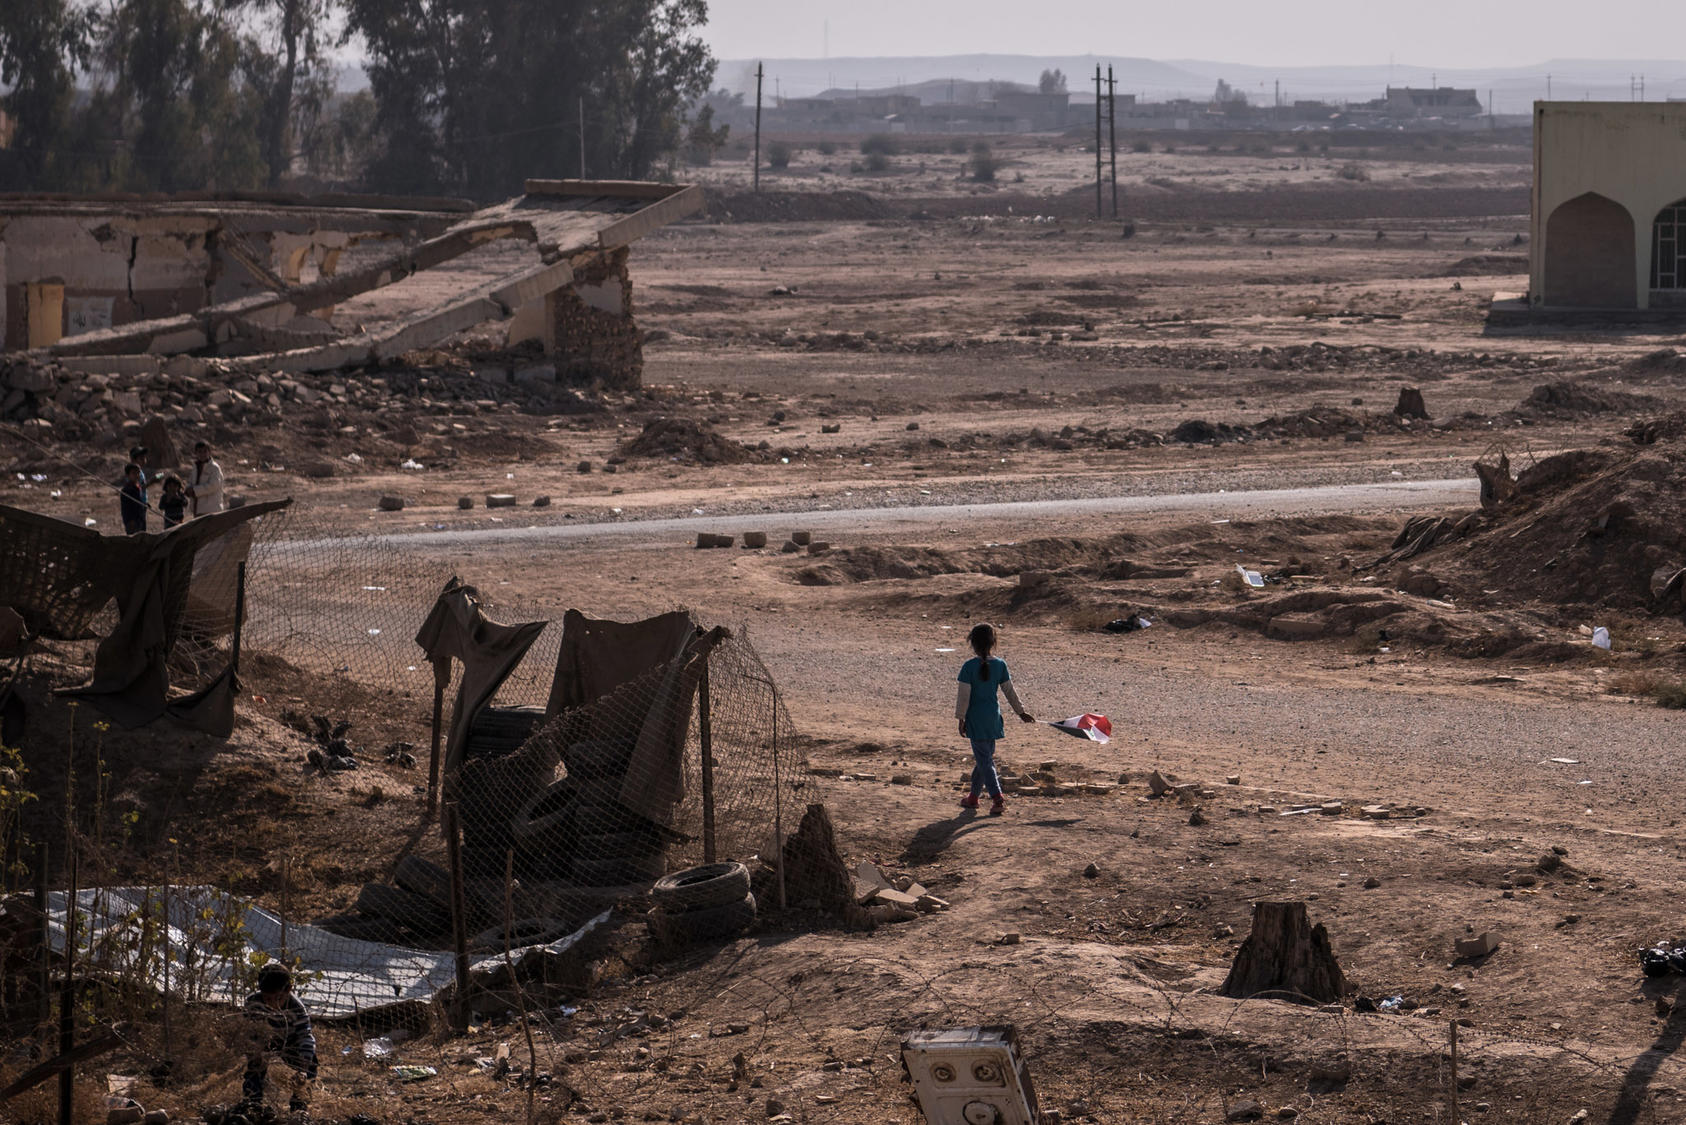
pixel 979 713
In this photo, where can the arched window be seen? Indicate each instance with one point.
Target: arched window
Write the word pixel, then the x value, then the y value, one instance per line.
pixel 1668 247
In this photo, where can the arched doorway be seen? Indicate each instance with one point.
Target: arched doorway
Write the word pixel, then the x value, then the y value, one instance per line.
pixel 1589 255
pixel 1668 254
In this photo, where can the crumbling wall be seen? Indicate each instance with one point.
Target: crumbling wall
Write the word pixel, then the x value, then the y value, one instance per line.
pixel 593 335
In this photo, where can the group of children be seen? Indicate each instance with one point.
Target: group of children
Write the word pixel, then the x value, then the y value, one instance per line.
pixel 203 495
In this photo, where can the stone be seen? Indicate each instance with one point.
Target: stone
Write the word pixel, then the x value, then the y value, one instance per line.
pixel 831 427
pixel 1376 812
pixel 755 539
pixel 929 903
pixel 1157 784
pixel 1233 779
pixel 1372 883
pixel 392 503
pixel 1331 808
pixel 818 547
pixel 1479 946
pixel 25 377
pixel 499 500
pixel 583 467
pixel 1244 1110
pixel 892 897
pixel 123 1111
pixel 774 1107
pixel 465 502
pixel 790 547
pixel 1008 939
pixel 801 538
pixel 543 375
pixel 1091 872
pixel 541 501
pixel 912 426
pixel 1196 818
pixel 156 1117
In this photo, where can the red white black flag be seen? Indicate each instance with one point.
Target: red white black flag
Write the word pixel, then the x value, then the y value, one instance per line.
pixel 1096 728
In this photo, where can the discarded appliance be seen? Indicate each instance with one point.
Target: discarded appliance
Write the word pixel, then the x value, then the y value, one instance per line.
pixel 970 1076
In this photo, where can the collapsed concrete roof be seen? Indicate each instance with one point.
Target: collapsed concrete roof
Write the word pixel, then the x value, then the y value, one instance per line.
pixel 564 222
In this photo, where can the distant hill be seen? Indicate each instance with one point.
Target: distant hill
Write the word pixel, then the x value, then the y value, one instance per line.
pixel 1513 89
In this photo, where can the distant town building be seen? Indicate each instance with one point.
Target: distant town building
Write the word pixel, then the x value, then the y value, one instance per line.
pixel 1440 101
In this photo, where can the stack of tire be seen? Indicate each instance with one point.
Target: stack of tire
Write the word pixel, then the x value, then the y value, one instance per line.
pixel 701 904
pixel 416 910
pixel 576 829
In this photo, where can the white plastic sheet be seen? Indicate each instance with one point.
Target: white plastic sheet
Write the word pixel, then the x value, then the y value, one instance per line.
pixel 213 934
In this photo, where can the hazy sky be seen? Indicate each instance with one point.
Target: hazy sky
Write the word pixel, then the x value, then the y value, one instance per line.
pixel 1450 33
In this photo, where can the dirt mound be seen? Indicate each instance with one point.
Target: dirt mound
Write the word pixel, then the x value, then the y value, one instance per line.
pixel 1584 528
pixel 1663 360
pixel 1670 427
pixel 1198 431
pixel 1568 399
pixel 683 439
pixel 795 206
pixel 1315 421
pixel 1482 265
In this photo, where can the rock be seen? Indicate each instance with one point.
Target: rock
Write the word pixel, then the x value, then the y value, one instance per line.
pixel 1355 435
pixel 1233 779
pixel 1559 849
pixel 500 500
pixel 831 427
pixel 892 897
pixel 1091 872
pixel 541 501
pixel 1376 812
pixel 818 547
pixel 929 903
pixel 392 503
pixel 1550 862
pixel 583 467
pixel 1410 404
pixel 755 539
pixel 1331 808
pixel 465 502
pixel 1007 939
pixel 1244 1110
pixel 912 426
pixel 790 547
pixel 541 375
pixel 1479 946
pixel 1372 883
pixel 706 539
pixel 1580 1116
pixel 156 1117
pixel 1196 818
pixel 802 538
pixel 123 1111
pixel 774 1107
pixel 1157 784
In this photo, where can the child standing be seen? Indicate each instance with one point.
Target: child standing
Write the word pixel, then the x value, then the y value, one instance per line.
pixel 284 1032
pixel 131 500
pixel 979 713
pixel 173 504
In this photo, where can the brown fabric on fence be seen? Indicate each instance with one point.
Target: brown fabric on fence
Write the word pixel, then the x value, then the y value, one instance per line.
pixel 599 656
pixel 131 681
pixel 655 779
pixel 489 652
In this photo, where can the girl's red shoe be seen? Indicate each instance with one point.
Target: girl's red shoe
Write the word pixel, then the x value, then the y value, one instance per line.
pixel 969 802
pixel 997 806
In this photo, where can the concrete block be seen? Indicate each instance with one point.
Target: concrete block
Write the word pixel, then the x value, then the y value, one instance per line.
pixel 818 548
pixel 436 326
pixel 465 502
pixel 183 340
pixel 755 539
pixel 1298 626
pixel 1479 946
pixel 892 897
pixel 801 538
pixel 500 500
pixel 523 291
pixel 1331 808
pixel 26 377
pixel 790 547
pixel 391 503
pixel 111 364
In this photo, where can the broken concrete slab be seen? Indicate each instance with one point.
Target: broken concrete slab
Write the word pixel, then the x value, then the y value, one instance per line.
pixel 1478 946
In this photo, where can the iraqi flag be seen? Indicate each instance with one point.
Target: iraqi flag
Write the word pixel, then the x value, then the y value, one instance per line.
pixel 1096 728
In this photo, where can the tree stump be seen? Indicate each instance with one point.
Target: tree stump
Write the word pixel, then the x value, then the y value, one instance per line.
pixel 1410 404
pixel 1286 958
pixel 813 868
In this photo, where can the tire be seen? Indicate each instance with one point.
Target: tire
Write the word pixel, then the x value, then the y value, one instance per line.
pixel 523 931
pixel 597 759
pixel 697 888
pixel 425 878
pixel 418 912
pixel 618 871
pixel 547 812
pixel 707 924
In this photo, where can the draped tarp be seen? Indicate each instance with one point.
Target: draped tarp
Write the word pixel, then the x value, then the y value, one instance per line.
pixel 457 628
pixel 599 656
pixel 152 577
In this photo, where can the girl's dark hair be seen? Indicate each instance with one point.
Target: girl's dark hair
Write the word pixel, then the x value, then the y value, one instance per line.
pixel 982 640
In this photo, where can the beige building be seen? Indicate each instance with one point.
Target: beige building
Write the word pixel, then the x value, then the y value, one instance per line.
pixel 1609 215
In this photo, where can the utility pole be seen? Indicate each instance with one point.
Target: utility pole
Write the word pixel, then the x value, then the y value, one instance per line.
pixel 582 138
pixel 1112 133
pixel 1548 87
pixel 757 173
pixel 1097 141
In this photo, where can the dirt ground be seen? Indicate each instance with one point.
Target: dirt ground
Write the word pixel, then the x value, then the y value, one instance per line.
pixel 1048 366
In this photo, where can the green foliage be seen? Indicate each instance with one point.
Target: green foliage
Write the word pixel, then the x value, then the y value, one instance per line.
pixel 826 148
pixel 42 43
pixel 958 146
pixel 1051 82
pixel 1672 695
pixel 702 139
pixel 984 163
pixel 876 162
pixel 879 144
pixel 778 155
pixel 474 96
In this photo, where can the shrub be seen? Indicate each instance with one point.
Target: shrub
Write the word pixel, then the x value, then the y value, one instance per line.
pixel 1354 172
pixel 1672 696
pixel 983 163
pixel 879 144
pixel 877 162
pixel 827 148
pixel 1141 146
pixel 957 146
pixel 778 155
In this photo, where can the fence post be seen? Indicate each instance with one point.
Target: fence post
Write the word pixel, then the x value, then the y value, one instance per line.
pixel 705 736
pixel 459 915
pixel 67 1003
pixel 239 621
pixel 286 877
pixel 44 993
pixel 441 678
pixel 778 799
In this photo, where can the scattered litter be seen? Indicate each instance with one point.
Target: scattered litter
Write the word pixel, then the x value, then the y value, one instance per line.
pixel 377 1048
pixel 945 650
pixel 1662 959
pixel 374 632
pixel 413 1073
pixel 1130 624
pixel 412 465
pixel 89 522
pixel 1220 521
pixel 1562 761
pixel 1601 638
pixel 56 494
pixel 1392 1003
pixel 355 459
pixel 380 588
pixel 1252 577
